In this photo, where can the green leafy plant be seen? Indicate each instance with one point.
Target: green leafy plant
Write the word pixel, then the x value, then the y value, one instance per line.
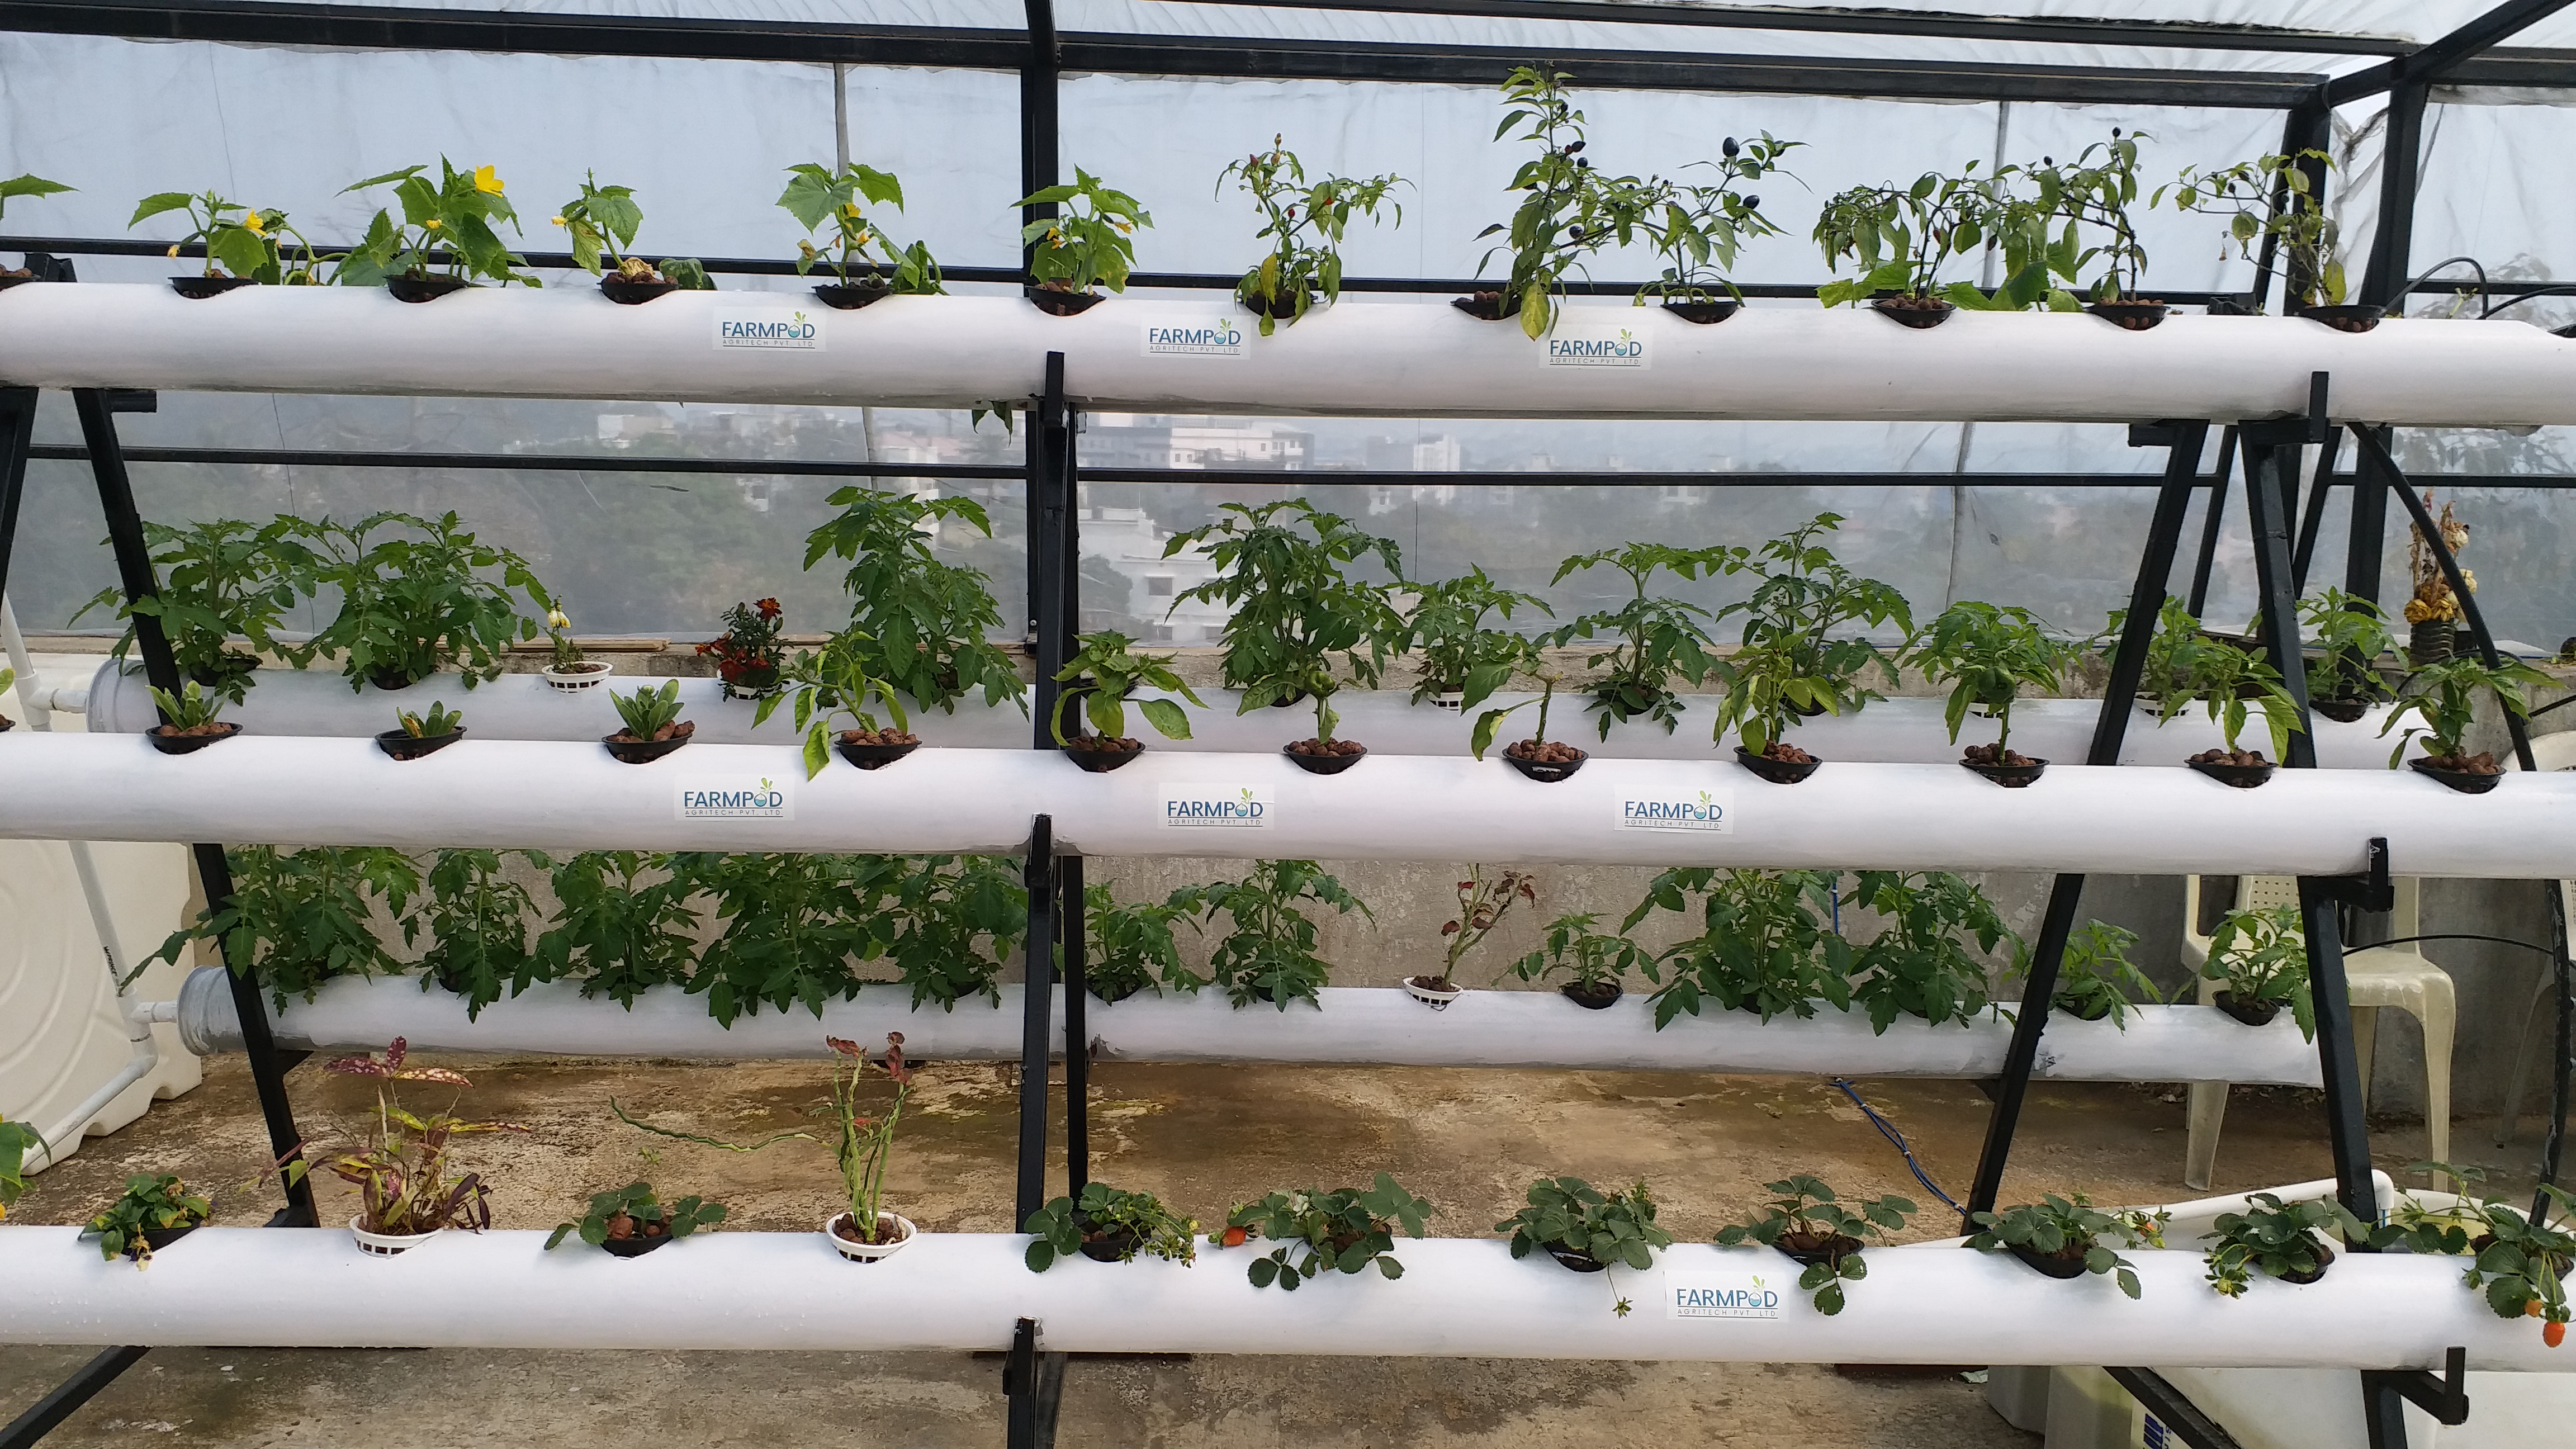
pixel 817 195
pixel 619 933
pixel 2444 694
pixel 2275 1239
pixel 243 241
pixel 2164 682
pixel 1304 223
pixel 1132 946
pixel 1702 226
pixel 2310 240
pixel 405 1180
pixel 1568 210
pixel 864 1144
pixel 602 221
pixel 1590 959
pixel 2094 193
pixel 302 917
pixel 651 713
pixel 1106 670
pixel 2095 977
pixel 8 680
pixel 1484 898
pixel 1481 738
pixel 1130 1222
pixel 1786 661
pixel 439 721
pixel 190 711
pixel 790 927
pixel 1767 943
pixel 453 220
pixel 1988 655
pixel 2070 1228
pixel 1280 571
pixel 1343 1230
pixel 1659 640
pixel 1807 1221
pixel 626 1213
pixel 1570 1216
pixel 2227 680
pixel 15 1139
pixel 1900 236
pixel 1268 954
pixel 476 917
pixel 2353 635
pixel 1089 242
pixel 925 626
pixel 28 183
pixel 219 580
pixel 2262 956
pixel 937 912
pixel 411 606
pixel 1458 653
pixel 1920 965
pixel 833 683
pixel 151 1202
pixel 2522 1263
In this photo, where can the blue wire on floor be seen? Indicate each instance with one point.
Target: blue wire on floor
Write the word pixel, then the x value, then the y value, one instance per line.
pixel 1888 1130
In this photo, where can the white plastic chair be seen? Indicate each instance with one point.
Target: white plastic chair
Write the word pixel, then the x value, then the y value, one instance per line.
pixel 2381 976
pixel 2540 1019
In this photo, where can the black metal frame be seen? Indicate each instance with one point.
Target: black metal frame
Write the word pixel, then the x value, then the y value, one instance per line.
pixel 1040 56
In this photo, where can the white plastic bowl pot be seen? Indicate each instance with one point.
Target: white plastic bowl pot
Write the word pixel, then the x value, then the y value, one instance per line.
pixel 1436 1000
pixel 388 1245
pixel 869 1252
pixel 576 676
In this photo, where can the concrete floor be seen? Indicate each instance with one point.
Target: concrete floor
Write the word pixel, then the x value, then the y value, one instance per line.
pixel 1202 1138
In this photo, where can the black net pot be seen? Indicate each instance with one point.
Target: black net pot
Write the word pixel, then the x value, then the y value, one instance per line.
pixel 871 756
pixel 851 296
pixel 1778 772
pixel 633 292
pixel 1063 304
pixel 2129 316
pixel 2242 777
pixel 1591 998
pixel 642 752
pixel 197 289
pixel 1706 314
pixel 403 745
pixel 424 289
pixel 2011 777
pixel 2467 782
pixel 1918 316
pixel 190 744
pixel 2066 1262
pixel 1324 764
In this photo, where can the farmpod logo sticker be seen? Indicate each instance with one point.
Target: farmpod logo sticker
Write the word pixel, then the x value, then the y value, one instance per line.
pixel 1721 1295
pixel 1711 810
pixel 1193 337
pixel 734 797
pixel 768 329
pixel 1595 344
pixel 1218 807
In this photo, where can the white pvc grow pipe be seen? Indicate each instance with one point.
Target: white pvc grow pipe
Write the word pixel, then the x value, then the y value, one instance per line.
pixel 1421 359
pixel 1895 731
pixel 1379 1026
pixel 2143 820
pixel 263 1287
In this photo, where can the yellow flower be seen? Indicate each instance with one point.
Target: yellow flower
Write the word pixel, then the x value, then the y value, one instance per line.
pixel 485 181
pixel 555 619
pixel 256 226
pixel 432 224
pixel 174 250
pixel 850 209
pixel 559 221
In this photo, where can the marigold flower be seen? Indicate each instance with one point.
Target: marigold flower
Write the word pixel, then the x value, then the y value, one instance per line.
pixel 768 608
pixel 486 182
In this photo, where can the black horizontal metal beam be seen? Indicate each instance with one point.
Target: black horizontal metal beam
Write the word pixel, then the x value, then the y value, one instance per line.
pixel 2436 62
pixel 266 22
pixel 534 462
pixel 2044 30
pixel 2524 67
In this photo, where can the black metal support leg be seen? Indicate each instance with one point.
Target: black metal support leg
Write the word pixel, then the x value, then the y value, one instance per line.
pixel 17 430
pixel 2368 536
pixel 2210 524
pixel 2312 517
pixel 1072 925
pixel 1050 522
pixel 2155 569
pixel 1036 1018
pixel 2172 1409
pixel 67 1396
pixel 134 571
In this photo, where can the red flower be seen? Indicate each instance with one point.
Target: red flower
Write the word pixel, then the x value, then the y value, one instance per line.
pixel 768 608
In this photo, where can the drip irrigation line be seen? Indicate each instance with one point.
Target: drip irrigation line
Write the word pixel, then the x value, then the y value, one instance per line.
pixel 2460 936
pixel 1896 1139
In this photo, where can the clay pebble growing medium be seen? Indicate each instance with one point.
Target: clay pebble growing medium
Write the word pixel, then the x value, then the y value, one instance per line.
pixel 1200 1138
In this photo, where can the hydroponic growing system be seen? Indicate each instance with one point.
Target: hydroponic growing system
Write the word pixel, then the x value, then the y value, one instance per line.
pixel 1892 799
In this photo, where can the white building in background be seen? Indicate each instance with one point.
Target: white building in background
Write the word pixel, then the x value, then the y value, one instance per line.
pixel 1145 440
pixel 1131 543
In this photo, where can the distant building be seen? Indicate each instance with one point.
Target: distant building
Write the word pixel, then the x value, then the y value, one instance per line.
pixel 1131 543
pixel 1142 440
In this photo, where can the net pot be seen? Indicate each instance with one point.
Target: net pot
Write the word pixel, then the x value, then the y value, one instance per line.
pixel 642 752
pixel 424 289
pixel 1452 700
pixel 872 756
pixel 632 292
pixel 403 745
pixel 1113 1246
pixel 2252 1013
pixel 1433 996
pixel 634 1247
pixel 1705 313
pixel 2011 777
pixel 1591 998
pixel 190 744
pixel 571 677
pixel 159 1238
pixel 2130 316
pixel 2342 710
pixel 1280 309
pixel 387 1245
pixel 1487 306
pixel 1917 312
pixel 197 289
pixel 2346 318
pixel 1546 772
pixel 900 1226
pixel 1102 758
pixel 1324 764
pixel 2467 782
pixel 2325 1260
pixel 2243 777
pixel 1778 772
pixel 1063 304
pixel 2066 1262
pixel 1832 1248
pixel 851 296
pixel 1580 1262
